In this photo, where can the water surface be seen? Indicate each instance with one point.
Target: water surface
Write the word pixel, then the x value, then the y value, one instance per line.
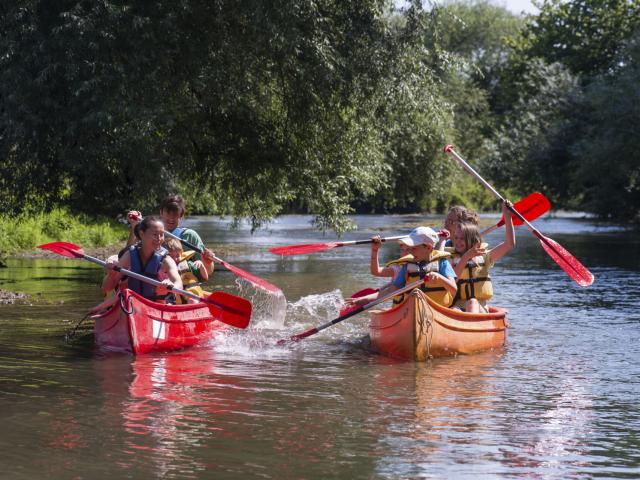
pixel 559 401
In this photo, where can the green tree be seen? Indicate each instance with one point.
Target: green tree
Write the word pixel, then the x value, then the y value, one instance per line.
pixel 606 167
pixel 584 35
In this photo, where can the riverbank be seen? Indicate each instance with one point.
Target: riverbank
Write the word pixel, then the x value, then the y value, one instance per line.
pixel 24 232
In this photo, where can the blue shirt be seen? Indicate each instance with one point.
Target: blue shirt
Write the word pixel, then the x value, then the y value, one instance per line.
pixel 444 268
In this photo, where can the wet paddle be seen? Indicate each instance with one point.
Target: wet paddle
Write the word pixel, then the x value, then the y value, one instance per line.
pixel 257 281
pixel 530 207
pixel 562 257
pixel 229 309
pixel 350 313
pixel 320 247
pixel 361 293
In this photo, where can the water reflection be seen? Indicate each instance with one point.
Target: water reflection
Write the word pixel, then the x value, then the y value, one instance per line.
pixel 170 406
pixel 441 414
pixel 559 402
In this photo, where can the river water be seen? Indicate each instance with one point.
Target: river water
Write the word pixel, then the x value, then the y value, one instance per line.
pixel 559 401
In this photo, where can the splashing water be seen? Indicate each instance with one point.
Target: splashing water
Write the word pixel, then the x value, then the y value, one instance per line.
pixel 261 337
pixel 317 308
pixel 269 309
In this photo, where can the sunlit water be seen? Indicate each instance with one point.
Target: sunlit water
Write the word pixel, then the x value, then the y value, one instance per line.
pixel 559 401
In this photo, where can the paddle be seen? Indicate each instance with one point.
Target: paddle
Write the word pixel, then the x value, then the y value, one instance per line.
pixel 229 309
pixel 361 293
pixel 350 313
pixel 319 247
pixel 531 207
pixel 238 271
pixel 562 257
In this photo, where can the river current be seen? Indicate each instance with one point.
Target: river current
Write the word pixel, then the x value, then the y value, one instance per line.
pixel 560 400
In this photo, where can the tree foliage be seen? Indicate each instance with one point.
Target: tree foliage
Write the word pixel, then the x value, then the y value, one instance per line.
pixel 112 104
pixel 584 35
pixel 252 109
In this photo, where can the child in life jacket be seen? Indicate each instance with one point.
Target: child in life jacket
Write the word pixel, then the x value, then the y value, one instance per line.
pixel 198 268
pixel 472 261
pixel 191 272
pixel 424 263
pixel 457 214
pixel 391 270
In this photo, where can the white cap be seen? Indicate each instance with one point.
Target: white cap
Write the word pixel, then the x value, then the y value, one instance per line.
pixel 421 235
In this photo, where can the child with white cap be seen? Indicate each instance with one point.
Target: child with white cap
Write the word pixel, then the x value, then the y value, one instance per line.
pixel 425 262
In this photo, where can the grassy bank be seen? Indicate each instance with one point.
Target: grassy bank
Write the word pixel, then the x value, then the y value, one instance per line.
pixel 26 231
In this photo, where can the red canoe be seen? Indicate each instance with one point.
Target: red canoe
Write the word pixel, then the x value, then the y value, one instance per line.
pixel 137 325
pixel 419 329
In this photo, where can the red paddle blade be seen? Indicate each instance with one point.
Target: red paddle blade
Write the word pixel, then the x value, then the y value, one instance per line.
pixel 257 281
pixel 64 248
pixel 304 248
pixel 530 207
pixel 230 309
pixel 567 262
pixel 348 309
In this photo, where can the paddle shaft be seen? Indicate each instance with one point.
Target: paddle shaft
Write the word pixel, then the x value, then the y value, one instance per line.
pixel 148 280
pixel 238 271
pixel 564 259
pixel 362 242
pixel 470 169
pixel 373 303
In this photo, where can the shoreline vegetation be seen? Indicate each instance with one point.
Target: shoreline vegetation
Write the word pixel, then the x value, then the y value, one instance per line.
pixel 22 233
pixel 329 108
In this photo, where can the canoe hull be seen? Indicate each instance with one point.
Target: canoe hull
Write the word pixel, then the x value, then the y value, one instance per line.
pixel 137 325
pixel 419 329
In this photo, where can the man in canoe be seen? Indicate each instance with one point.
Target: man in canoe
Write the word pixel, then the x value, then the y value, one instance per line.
pixel 149 258
pixel 426 263
pixel 172 211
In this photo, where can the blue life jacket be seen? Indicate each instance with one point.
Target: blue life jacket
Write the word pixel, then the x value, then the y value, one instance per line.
pixel 150 270
pixel 178 231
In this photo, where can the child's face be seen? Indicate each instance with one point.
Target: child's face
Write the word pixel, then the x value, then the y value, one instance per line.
pixel 175 254
pixel 458 241
pixel 422 251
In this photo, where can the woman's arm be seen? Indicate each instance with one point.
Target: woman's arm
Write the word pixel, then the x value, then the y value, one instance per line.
pixel 113 277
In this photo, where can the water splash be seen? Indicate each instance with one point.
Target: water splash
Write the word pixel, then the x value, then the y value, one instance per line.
pixel 269 309
pixel 261 338
pixel 317 308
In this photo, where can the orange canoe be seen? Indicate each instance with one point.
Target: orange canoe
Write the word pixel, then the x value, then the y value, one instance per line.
pixel 419 329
